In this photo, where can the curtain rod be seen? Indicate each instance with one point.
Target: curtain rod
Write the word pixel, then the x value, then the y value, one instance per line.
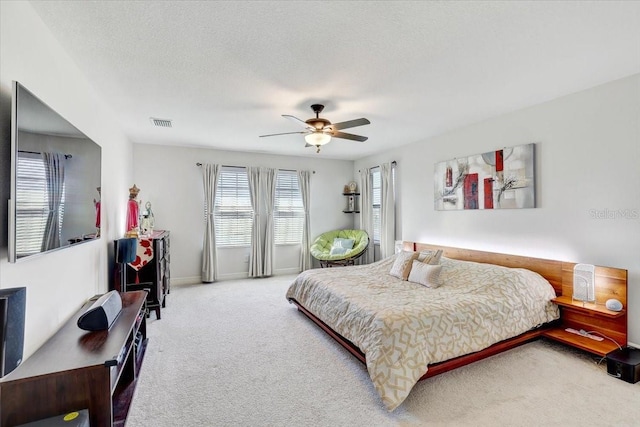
pixel 66 156
pixel 228 166
pixel 393 163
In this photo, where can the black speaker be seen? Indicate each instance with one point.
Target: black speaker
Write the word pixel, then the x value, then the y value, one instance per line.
pixel 12 310
pixel 624 364
pixel 102 313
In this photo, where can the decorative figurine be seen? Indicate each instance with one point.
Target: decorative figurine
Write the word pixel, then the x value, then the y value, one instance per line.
pixel 132 212
pixel 96 203
pixel 148 221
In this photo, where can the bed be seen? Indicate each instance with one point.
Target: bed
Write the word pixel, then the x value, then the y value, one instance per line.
pixel 405 331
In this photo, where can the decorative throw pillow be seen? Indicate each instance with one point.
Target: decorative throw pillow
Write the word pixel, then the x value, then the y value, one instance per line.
pixel 435 258
pixel 337 250
pixel 340 246
pixel 430 257
pixel 425 256
pixel 425 274
pixel 402 265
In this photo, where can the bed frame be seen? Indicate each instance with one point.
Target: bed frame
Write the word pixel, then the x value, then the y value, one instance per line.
pixel 558 273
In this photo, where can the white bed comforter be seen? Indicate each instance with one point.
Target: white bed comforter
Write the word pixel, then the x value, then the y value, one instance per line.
pixel 402 327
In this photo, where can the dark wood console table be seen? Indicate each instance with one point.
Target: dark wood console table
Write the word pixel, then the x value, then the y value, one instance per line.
pixel 77 369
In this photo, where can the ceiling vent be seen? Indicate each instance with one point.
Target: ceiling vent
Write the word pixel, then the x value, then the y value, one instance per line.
pixel 163 123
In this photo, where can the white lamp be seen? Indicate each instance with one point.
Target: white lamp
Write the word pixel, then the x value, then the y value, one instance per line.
pixel 317 138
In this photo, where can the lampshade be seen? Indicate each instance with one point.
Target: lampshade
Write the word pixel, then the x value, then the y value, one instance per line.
pixel 317 138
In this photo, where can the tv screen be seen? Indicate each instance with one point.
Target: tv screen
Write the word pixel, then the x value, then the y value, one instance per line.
pixel 55 180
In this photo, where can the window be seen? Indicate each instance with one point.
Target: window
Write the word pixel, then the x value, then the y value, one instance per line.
pixel 32 204
pixel 376 201
pixel 288 218
pixel 233 212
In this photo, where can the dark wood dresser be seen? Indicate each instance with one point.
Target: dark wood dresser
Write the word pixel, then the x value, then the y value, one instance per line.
pixel 76 369
pixel 154 276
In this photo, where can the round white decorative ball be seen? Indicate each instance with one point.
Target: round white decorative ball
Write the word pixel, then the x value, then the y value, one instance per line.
pixel 613 305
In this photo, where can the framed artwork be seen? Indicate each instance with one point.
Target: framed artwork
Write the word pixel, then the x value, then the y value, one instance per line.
pixel 500 179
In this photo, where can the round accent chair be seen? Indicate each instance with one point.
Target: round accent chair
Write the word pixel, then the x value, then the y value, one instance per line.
pixel 333 247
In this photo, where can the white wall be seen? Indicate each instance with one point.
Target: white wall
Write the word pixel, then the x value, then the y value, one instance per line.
pixel 57 283
pixel 169 178
pixel 587 165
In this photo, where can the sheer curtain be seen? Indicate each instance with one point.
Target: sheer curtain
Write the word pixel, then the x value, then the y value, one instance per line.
pixel 269 178
pixel 54 164
pixel 210 176
pixel 387 211
pixel 366 213
pixel 305 253
pixel 255 257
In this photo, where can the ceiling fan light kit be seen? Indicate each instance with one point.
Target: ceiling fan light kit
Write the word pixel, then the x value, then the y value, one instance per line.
pixel 318 131
pixel 317 139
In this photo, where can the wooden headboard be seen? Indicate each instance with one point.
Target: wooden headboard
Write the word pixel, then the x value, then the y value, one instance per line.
pixel 610 282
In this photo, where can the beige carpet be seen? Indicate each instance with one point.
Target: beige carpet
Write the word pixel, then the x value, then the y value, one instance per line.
pixel 236 353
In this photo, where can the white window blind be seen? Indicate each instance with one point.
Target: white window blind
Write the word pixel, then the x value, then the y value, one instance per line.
pixel 288 218
pixel 376 200
pixel 233 212
pixel 32 204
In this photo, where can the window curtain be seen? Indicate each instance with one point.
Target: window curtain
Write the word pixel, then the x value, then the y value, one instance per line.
pixel 262 191
pixel 54 164
pixel 269 178
pixel 210 176
pixel 255 257
pixel 305 253
pixel 366 213
pixel 387 211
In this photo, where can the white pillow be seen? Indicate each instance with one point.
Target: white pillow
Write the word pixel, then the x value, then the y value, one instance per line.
pixel 337 250
pixel 435 258
pixel 425 256
pixel 343 243
pixel 430 257
pixel 402 264
pixel 425 274
pixel 340 246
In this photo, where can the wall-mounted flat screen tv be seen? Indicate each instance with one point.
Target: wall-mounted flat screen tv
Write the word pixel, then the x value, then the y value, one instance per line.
pixel 55 180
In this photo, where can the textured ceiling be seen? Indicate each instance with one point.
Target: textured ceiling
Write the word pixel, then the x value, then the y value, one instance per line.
pixel 224 72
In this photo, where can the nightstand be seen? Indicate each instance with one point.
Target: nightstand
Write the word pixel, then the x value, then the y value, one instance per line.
pixel 590 317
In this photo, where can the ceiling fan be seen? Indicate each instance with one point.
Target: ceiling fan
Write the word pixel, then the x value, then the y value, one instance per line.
pixel 318 131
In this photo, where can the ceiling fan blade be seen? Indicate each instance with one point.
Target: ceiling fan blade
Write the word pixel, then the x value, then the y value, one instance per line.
pixel 286 133
pixel 349 124
pixel 300 122
pixel 351 136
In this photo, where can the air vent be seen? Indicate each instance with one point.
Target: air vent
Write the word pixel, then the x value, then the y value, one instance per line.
pixel 163 123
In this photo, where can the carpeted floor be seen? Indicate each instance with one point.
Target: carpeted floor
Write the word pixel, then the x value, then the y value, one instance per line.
pixel 236 353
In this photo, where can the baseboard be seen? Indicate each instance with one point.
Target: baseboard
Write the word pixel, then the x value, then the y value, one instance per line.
pixel 286 271
pixel 179 281
pixel 233 276
pixel 630 344
pixel 195 280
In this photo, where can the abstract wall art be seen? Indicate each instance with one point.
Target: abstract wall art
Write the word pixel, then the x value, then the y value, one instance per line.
pixel 500 179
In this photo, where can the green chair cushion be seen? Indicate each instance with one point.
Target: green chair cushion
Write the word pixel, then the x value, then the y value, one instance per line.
pixel 321 247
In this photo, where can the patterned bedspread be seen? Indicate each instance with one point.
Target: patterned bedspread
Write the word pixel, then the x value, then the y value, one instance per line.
pixel 402 327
